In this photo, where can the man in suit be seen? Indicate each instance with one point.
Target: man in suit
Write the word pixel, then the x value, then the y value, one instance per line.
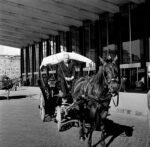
pixel 66 74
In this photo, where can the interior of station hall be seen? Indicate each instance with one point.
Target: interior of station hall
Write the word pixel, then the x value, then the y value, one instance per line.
pixel 125 33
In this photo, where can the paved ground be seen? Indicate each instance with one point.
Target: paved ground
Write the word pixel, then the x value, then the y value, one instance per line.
pixel 20 126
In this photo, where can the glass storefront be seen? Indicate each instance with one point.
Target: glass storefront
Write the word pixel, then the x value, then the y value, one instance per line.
pixel 75 39
pixel 109 46
pixel 132 63
pixel 90 40
pixel 63 41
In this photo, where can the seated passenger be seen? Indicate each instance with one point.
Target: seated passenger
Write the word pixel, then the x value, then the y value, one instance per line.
pixel 66 74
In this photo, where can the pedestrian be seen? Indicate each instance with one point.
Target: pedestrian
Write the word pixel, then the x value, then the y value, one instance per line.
pixel 123 82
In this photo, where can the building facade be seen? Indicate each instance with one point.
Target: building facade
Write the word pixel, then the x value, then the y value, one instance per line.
pixel 10 66
pixel 125 34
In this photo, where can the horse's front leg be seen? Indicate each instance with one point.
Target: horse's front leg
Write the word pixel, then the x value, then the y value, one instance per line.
pixel 103 116
pixel 103 144
pixel 103 134
pixel 82 123
pixel 90 138
pixel 82 130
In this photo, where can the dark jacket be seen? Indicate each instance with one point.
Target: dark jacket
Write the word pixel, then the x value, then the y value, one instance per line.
pixel 64 71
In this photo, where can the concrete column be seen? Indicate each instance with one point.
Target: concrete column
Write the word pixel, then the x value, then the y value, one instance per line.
pixel 81 47
pixel 146 39
pixel 22 63
pixel 33 64
pixel 40 52
pixel 40 55
pixel 27 61
pixel 48 47
pixel 57 44
pixel 50 38
pixel 68 41
pixel 98 43
pixel 118 39
pixel 27 65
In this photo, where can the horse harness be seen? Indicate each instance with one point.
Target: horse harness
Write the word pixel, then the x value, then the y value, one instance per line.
pixel 105 96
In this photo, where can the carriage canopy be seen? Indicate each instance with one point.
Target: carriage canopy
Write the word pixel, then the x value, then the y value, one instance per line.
pixel 57 58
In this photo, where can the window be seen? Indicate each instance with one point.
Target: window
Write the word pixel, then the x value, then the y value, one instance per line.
pixel 63 41
pixel 108 34
pixel 75 39
pixel 133 48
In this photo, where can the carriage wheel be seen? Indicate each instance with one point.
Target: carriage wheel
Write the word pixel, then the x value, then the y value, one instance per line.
pixel 148 120
pixel 58 117
pixel 42 107
pixel 148 105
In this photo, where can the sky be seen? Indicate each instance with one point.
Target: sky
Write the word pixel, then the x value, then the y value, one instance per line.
pixel 5 50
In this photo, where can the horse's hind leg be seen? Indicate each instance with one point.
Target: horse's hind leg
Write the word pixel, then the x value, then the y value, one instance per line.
pixel 82 123
pixel 103 144
pixel 82 130
pixel 90 139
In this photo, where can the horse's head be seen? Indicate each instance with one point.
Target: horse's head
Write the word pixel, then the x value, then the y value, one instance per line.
pixel 110 74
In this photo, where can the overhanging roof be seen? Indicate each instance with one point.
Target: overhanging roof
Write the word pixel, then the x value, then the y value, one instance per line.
pixel 24 22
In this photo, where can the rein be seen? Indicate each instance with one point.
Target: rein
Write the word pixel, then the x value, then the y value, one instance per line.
pixel 105 78
pixel 107 83
pixel 117 96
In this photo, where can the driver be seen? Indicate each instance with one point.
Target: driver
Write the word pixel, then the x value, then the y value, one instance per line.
pixel 66 73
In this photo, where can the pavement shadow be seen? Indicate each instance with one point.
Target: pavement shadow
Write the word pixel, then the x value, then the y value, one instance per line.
pixel 20 89
pixel 113 130
pixel 16 97
pixel 13 97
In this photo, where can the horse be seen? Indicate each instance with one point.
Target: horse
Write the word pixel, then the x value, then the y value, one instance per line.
pixel 94 94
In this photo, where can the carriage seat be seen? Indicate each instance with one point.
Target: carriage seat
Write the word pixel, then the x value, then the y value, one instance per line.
pixel 52 83
pixel 60 94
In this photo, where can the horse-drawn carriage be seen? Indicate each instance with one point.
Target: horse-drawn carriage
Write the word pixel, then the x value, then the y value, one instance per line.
pixel 89 98
pixel 7 84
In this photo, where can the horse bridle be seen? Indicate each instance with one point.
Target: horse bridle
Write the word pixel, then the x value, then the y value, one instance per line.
pixel 108 83
pixel 109 87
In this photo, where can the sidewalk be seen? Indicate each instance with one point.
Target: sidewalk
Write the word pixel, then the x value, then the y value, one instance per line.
pixel 22 91
pixel 140 136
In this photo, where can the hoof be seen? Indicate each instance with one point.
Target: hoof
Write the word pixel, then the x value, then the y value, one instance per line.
pixel 55 120
pixel 82 139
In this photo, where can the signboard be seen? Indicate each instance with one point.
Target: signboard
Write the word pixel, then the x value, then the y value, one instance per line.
pixel 133 65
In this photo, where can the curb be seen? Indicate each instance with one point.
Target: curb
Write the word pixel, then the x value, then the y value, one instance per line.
pixel 129 112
